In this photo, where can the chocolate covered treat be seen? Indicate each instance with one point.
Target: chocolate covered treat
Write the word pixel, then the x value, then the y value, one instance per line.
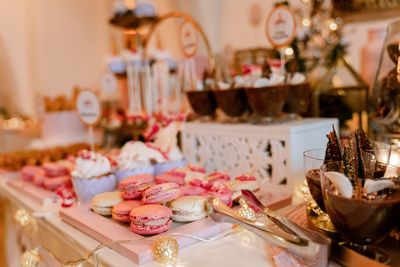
pixel 333 150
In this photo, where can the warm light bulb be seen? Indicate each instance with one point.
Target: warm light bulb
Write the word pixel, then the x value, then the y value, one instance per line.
pixel 333 26
pixel 289 51
pixel 306 22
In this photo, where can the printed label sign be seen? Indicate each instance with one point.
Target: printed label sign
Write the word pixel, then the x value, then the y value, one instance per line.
pixel 281 26
pixel 88 106
pixel 188 39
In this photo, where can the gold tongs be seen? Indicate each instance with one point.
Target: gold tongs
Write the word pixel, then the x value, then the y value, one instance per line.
pixel 308 245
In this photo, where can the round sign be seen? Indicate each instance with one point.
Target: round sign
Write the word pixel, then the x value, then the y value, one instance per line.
pixel 188 39
pixel 281 26
pixel 88 106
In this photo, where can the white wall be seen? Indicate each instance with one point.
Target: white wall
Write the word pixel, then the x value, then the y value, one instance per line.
pixel 48 46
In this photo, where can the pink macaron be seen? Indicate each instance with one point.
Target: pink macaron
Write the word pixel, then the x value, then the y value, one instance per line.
pixel 177 172
pixel 196 168
pixel 246 177
pixel 28 172
pixel 55 169
pixel 161 193
pixel 221 191
pixel 150 219
pixel 121 211
pixel 133 186
pixel 39 178
pixel 218 176
pixel 52 183
pixel 190 190
pixel 170 178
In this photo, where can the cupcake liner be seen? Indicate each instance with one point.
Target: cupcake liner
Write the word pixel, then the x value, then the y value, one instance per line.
pixel 86 189
pixel 163 167
pixel 123 174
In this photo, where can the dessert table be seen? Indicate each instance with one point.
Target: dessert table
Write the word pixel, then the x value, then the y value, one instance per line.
pixel 67 243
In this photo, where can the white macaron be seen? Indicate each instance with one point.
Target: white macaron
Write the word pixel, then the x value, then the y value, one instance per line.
pixel 188 208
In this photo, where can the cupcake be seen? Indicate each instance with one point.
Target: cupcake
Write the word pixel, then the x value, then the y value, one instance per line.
pixel 92 175
pixel 137 158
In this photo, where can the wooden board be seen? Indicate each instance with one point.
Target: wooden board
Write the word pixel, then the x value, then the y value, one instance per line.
pixel 38 194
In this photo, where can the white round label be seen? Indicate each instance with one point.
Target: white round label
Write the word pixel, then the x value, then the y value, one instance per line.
pixel 188 39
pixel 88 106
pixel 281 26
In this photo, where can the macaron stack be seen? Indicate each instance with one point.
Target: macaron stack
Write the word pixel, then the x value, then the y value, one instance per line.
pixel 55 175
pixel 28 172
pixel 150 203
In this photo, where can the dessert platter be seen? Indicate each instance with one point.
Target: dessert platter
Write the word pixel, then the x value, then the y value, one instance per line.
pixel 142 205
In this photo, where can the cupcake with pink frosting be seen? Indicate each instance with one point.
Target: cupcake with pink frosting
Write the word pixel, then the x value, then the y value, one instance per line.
pixel 92 175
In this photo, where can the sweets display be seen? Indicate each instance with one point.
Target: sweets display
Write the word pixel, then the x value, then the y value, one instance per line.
pixel 262 94
pixel 145 195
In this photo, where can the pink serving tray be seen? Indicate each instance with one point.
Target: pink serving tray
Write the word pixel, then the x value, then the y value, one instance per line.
pixel 106 230
pixel 38 194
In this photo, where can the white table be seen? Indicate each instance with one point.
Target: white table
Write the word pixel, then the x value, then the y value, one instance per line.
pixel 68 243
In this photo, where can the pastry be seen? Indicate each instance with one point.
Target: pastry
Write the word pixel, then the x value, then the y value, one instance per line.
pixel 218 176
pixel 102 203
pixel 121 211
pixel 92 175
pixel 190 190
pixel 150 219
pixel 52 183
pixel 188 208
pixel 170 178
pixel 54 169
pixel 133 186
pixel 244 182
pixel 161 193
pixel 28 172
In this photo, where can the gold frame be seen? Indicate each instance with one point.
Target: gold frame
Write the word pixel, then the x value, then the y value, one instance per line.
pixel 186 18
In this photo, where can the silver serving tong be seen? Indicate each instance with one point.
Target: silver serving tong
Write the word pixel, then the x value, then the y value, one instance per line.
pixel 308 245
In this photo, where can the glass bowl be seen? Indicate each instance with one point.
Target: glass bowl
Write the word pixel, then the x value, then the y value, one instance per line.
pixel 363 220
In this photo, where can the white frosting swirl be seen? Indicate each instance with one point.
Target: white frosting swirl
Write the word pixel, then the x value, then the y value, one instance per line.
pixel 91 165
pixel 136 154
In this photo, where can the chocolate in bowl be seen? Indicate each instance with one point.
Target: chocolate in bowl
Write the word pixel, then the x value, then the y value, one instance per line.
pixel 363 221
pixel 298 98
pixel 314 184
pixel 267 101
pixel 232 102
pixel 202 102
